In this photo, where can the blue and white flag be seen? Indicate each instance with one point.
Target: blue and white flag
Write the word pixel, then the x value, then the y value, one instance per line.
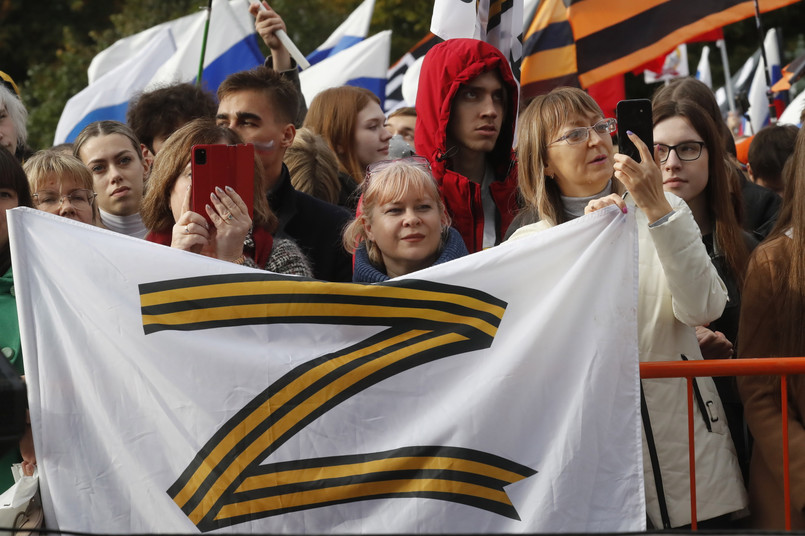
pixel 496 393
pixel 703 73
pixel 364 65
pixel 108 97
pixel 352 31
pixel 231 47
pixel 758 99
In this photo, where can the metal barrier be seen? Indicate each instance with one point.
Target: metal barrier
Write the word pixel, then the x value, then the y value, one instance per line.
pixel 782 366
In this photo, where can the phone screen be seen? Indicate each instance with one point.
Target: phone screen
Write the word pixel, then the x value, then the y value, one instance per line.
pixel 634 115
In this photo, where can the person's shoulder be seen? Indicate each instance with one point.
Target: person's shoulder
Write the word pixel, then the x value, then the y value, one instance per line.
pixel 322 210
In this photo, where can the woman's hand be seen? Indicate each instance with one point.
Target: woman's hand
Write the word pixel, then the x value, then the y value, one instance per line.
pixel 611 199
pixel 713 344
pixel 230 216
pixel 191 231
pixel 643 180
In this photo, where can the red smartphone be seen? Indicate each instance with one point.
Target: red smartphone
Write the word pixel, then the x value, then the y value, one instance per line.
pixel 634 115
pixel 221 165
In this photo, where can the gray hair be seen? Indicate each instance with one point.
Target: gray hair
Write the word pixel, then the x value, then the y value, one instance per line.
pixel 17 112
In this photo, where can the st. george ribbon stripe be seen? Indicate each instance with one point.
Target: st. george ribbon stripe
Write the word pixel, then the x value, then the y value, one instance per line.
pixel 427 321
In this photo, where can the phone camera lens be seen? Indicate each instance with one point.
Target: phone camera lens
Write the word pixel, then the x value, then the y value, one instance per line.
pixel 201 156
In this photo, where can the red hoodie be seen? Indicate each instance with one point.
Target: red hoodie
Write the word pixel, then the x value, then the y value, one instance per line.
pixel 445 68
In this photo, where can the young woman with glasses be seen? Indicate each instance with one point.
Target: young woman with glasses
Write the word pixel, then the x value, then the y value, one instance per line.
pixel 695 167
pixel 568 167
pixel 62 185
pixel 402 225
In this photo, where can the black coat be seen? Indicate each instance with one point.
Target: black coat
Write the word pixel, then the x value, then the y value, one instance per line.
pixel 316 226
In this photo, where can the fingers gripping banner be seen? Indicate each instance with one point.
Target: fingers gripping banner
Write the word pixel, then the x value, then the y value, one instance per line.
pixel 496 393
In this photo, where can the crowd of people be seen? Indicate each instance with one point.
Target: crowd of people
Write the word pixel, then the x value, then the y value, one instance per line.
pixel 344 193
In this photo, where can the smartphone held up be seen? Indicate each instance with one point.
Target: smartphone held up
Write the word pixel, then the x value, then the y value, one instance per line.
pixel 221 165
pixel 634 115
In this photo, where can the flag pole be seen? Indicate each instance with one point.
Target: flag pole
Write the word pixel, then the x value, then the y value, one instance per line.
pixel 289 45
pixel 204 44
pixel 769 94
pixel 722 46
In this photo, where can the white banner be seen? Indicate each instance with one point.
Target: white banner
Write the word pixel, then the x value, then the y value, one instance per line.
pixel 169 392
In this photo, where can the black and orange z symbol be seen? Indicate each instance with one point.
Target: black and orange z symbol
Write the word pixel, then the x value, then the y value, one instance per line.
pixel 226 484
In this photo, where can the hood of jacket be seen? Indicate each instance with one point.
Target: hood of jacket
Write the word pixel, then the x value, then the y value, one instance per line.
pixel 445 68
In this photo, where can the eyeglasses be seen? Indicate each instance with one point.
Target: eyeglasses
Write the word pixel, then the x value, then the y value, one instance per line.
pixel 50 200
pixel 582 134
pixel 415 160
pixel 686 151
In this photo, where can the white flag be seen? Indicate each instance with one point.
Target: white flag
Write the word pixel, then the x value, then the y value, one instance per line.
pixel 758 99
pixel 498 22
pixel 364 65
pixel 703 72
pixel 497 393
pixel 350 32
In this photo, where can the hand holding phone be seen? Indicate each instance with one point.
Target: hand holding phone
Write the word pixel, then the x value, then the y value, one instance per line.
pixel 634 115
pixel 220 165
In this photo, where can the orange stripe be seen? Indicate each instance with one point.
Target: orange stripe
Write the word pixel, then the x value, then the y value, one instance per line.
pixel 593 16
pixel 548 64
pixel 639 57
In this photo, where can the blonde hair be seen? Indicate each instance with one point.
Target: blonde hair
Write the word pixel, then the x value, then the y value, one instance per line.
pixel 172 160
pixel 388 185
pixel 313 166
pixel 334 114
pixel 48 162
pixel 538 126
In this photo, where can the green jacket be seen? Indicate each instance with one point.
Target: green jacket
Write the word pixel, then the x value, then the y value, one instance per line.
pixel 11 349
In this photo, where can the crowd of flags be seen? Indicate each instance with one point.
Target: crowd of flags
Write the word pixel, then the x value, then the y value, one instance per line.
pixel 548 42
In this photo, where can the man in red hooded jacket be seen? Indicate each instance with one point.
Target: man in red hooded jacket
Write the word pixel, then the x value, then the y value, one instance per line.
pixel 466 108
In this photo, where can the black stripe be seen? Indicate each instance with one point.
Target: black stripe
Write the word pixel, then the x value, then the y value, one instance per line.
pixel 473 343
pixel 541 87
pixel 625 37
pixel 366 478
pixel 505 510
pixel 494 21
pixel 655 461
pixel 430 451
pixel 552 36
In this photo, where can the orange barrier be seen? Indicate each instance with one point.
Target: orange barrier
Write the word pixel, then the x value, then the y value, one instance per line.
pixel 778 366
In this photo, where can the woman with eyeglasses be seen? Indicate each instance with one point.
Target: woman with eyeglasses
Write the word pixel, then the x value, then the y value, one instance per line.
pixel 695 167
pixel 61 185
pixel 402 225
pixel 567 168
pixel 771 325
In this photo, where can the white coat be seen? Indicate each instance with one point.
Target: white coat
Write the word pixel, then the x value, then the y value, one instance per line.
pixel 679 289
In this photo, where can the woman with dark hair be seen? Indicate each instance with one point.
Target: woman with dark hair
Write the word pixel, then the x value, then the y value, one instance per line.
pixel 233 236
pixel 772 313
pixel 694 167
pixel 567 168
pixel 14 192
pixel 352 122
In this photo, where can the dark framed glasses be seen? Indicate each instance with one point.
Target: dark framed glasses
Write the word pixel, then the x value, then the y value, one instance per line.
pixel 582 134
pixel 686 151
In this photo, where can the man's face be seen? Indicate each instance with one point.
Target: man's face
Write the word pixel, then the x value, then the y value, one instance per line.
pixel 477 114
pixel 250 114
pixel 403 125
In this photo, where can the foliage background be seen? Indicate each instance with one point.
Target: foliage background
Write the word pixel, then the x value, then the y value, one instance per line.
pixel 47 47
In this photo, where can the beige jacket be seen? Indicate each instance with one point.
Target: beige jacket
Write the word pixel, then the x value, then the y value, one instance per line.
pixel 679 289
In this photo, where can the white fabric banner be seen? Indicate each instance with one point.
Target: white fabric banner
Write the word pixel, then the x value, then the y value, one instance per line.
pixel 169 392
